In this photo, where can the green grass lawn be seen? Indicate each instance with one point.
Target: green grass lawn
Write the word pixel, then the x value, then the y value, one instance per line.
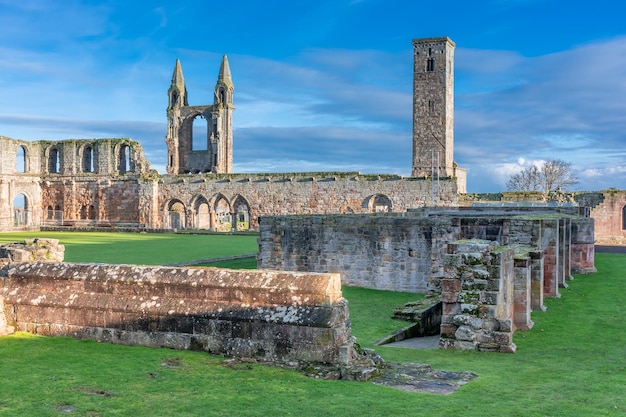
pixel 572 363
pixel 143 248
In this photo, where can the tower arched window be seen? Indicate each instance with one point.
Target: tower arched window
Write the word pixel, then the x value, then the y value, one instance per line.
pixel 624 218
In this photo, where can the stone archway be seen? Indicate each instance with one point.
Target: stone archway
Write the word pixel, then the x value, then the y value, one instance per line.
pixel 22 216
pixel 241 210
pixel 223 214
pixel 378 203
pixel 175 215
pixel 202 212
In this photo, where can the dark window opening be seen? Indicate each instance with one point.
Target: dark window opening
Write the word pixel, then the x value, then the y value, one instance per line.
pixel 124 159
pixel 54 165
pixel 430 64
pixel 88 159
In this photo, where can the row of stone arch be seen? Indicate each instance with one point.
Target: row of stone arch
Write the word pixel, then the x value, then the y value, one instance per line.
pixel 87 156
pixel 217 213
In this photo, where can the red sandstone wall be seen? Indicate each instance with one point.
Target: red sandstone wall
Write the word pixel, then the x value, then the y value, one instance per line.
pixel 608 217
pixel 268 315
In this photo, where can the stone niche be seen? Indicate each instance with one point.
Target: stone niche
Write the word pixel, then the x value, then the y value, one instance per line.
pixel 271 316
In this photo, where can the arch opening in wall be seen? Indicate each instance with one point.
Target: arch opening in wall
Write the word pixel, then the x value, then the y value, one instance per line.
pixel 22 159
pixel 53 215
pixel 223 214
pixel 199 134
pixel 175 215
pixel 624 218
pixel 88 159
pixel 54 160
pixel 378 203
pixel 241 208
pixel 202 213
pixel 21 211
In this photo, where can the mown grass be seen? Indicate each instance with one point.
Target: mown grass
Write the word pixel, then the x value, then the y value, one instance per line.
pixel 143 248
pixel 572 363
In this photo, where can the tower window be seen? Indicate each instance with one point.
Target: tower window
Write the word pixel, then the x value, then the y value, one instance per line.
pixel 430 64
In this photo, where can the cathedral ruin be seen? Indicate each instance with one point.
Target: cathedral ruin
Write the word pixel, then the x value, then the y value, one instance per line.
pixel 108 183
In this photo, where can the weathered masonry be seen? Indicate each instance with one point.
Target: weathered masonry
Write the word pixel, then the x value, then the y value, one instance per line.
pixel 529 252
pixel 433 109
pixel 275 317
pixel 108 182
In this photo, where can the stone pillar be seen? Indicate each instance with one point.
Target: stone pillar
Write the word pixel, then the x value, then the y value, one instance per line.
pixel 583 249
pixel 536 280
pixel 550 246
pixel 522 293
pixel 477 297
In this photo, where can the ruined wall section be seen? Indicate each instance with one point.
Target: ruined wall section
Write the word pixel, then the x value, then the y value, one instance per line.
pixel 65 182
pixel 279 317
pixel 478 297
pixel 387 252
pixel 610 219
pixel 298 193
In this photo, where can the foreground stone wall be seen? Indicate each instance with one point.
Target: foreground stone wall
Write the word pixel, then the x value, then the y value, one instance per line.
pixel 279 317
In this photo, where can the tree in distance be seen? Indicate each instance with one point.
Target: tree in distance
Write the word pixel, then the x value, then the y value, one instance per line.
pixel 551 176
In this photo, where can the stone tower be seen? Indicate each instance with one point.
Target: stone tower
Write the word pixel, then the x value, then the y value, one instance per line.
pixel 433 108
pixel 216 154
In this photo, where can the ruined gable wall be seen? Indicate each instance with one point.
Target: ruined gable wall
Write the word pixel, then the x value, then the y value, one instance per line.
pixel 272 316
pixel 609 217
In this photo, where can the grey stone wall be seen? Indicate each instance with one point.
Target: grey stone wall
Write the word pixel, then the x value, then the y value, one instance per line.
pixel 389 252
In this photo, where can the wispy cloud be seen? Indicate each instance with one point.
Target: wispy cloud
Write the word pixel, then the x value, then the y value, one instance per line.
pixel 72 70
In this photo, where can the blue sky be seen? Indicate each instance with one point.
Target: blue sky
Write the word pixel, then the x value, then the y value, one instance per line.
pixel 326 85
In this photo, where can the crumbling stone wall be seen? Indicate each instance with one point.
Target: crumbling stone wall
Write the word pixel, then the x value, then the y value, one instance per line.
pixel 279 317
pixel 403 252
pixel 478 297
pixel 283 194
pixel 70 182
pixel 388 252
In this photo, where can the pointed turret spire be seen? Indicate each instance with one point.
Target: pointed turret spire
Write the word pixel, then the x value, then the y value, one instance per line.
pixel 224 76
pixel 177 78
pixel 177 91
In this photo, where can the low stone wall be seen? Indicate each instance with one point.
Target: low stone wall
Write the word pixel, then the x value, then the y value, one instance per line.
pixel 273 316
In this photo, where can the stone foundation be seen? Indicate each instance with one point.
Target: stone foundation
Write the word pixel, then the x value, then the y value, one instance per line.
pixel 270 316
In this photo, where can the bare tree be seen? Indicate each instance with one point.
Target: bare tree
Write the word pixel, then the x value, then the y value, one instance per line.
pixel 553 175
